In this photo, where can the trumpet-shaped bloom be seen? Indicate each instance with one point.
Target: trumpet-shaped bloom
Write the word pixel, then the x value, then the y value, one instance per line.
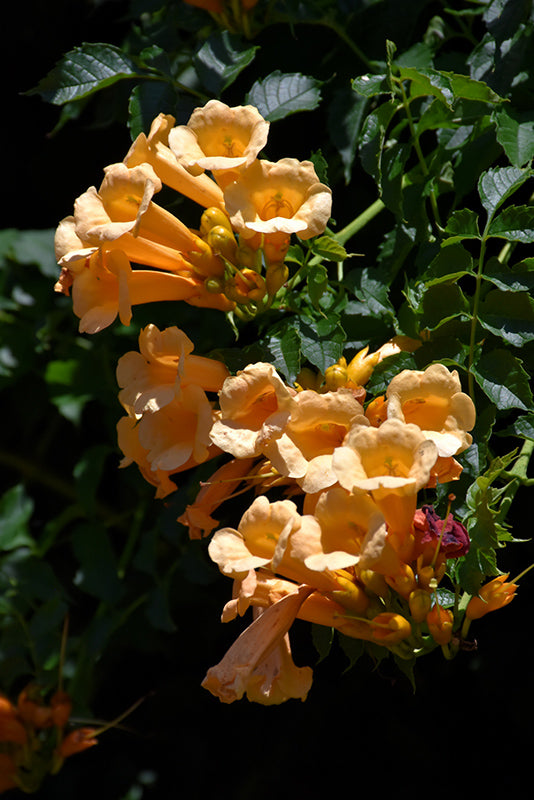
pixel 177 435
pixel 134 452
pixel 224 481
pixel 243 665
pixel 348 522
pixel 300 446
pixel 391 462
pixel 154 150
pixel 246 400
pixel 153 377
pixel 434 401
pixel 272 535
pixel 218 137
pixel 285 197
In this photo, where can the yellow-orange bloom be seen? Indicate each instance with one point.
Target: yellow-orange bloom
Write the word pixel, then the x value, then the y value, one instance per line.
pixel 493 595
pixel 154 376
pixel 285 197
pixel 154 150
pixel 391 462
pixel 434 401
pixel 300 445
pixel 243 667
pixel 218 137
pixel 246 400
pixel 272 535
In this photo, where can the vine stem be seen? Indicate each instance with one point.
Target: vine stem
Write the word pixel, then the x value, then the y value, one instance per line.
pixel 360 221
pixel 474 318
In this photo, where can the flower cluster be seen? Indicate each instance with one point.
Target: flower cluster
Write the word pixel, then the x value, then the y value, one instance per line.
pixel 120 248
pixel 345 538
pixel 34 740
pixel 348 546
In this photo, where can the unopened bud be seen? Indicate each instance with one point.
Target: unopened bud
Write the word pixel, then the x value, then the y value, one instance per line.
pixel 203 260
pixel 222 241
pixel 390 628
pixel 245 287
pixel 350 595
pixel 420 603
pixel 493 595
pixel 336 376
pixel 361 367
pixel 377 411
pixel 214 285
pixel 440 621
pixel 212 217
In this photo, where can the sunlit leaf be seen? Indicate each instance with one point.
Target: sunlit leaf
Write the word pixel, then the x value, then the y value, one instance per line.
pixel 281 94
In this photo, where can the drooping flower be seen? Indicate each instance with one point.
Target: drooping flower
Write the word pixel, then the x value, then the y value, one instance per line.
pixel 219 138
pixel 282 197
pixel 243 665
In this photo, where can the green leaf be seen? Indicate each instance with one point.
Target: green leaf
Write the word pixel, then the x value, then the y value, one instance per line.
pixel 452 262
pixel 345 118
pixel 281 94
pixel 317 282
pixel 373 137
pixel 221 59
pixel 522 427
pixel 284 346
pixel 322 638
pixel 462 224
pixel 509 315
pixel 322 344
pixel 329 248
pixel 371 85
pixel 516 224
pixel 515 132
pixel 97 573
pixel 85 70
pixel 16 509
pixel 428 82
pixel 502 378
pixel 496 185
pixel 518 279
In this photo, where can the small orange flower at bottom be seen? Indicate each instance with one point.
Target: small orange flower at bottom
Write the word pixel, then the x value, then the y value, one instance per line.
pixel 493 595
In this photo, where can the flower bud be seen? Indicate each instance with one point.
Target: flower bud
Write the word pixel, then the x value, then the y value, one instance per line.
pixel 335 376
pixel 248 257
pixel 76 741
pixel 222 241
pixel 403 582
pixel 213 217
pixel 245 287
pixel 203 260
pixel 374 582
pixel 390 628
pixel 377 411
pixel 420 603
pixel 350 595
pixel 493 595
pixel 440 621
pixel 61 706
pixel 361 367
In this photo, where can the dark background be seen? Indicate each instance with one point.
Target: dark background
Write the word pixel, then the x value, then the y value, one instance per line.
pixel 467 726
